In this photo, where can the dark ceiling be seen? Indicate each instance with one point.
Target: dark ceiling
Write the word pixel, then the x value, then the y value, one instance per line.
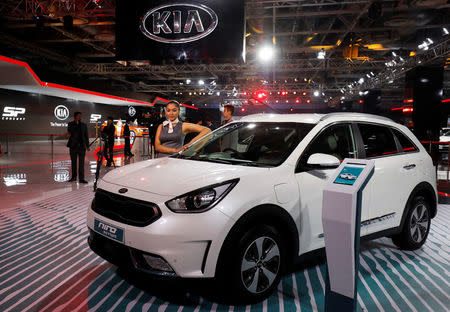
pixel 375 40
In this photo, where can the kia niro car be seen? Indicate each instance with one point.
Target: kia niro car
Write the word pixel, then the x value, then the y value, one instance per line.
pixel 243 203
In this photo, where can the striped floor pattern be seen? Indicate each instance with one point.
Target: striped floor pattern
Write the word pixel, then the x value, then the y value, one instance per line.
pixel 46 265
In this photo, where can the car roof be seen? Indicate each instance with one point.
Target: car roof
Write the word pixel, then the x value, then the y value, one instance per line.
pixel 316 118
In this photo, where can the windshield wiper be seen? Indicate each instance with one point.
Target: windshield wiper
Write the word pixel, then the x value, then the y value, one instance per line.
pixel 216 160
pixel 252 164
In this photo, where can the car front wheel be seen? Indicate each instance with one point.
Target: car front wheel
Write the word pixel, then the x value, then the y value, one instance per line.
pixel 416 227
pixel 253 268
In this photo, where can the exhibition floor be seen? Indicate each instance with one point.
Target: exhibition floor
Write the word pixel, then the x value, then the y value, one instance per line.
pixel 46 264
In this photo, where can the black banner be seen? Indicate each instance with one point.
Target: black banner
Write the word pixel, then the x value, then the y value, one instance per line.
pixel 177 31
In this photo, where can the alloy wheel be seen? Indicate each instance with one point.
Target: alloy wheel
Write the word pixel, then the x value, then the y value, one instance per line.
pixel 260 264
pixel 419 223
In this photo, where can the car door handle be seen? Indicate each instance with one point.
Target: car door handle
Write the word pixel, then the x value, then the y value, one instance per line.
pixel 409 167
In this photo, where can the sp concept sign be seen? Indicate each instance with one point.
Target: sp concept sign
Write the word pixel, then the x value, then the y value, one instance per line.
pixel 179 23
pixel 13 113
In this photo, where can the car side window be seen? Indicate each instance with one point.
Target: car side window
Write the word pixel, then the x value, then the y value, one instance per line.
pixel 406 144
pixel 378 140
pixel 336 140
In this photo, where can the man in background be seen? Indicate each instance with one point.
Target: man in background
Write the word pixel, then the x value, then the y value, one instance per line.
pixel 126 134
pixel 227 113
pixel 108 133
pixel 78 143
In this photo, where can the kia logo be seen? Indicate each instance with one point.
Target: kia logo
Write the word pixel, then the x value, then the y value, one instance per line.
pixel 167 20
pixel 61 112
pixel 123 190
pixel 131 111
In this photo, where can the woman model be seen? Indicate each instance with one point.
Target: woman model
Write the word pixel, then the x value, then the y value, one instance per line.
pixel 170 134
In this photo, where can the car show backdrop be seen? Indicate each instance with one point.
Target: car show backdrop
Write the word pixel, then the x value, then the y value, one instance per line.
pixel 168 31
pixel 27 113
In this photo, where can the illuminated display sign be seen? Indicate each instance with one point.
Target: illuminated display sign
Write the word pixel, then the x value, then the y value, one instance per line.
pixel 155 24
pixel 131 111
pixel 61 112
pixel 13 113
pixel 160 31
pixel 95 118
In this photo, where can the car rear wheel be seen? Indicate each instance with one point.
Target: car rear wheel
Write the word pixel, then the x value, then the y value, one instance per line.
pixel 416 227
pixel 253 265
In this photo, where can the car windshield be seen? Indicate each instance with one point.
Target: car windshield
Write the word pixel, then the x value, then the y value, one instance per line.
pixel 259 144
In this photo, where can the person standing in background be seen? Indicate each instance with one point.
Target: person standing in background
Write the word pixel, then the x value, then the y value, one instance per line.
pixel 227 113
pixel 108 132
pixel 126 134
pixel 78 143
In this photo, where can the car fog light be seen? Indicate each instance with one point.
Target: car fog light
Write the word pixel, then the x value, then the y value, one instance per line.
pixel 157 263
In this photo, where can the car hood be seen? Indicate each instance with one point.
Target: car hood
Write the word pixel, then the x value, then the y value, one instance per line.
pixel 172 176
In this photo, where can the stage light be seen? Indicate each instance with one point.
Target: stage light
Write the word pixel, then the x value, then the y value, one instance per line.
pixel 297 101
pixel 308 101
pixel 304 93
pixel 218 93
pixel 361 80
pixel 445 31
pixel 245 93
pixel 266 53
pixel 188 81
pixel 316 93
pixel 283 93
pixel 243 109
pixel 201 82
pixel 291 109
pixel 321 54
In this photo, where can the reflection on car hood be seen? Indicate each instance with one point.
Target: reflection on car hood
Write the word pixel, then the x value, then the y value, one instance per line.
pixel 171 176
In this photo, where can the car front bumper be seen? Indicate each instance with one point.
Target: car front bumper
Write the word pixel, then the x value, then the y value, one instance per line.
pixel 188 243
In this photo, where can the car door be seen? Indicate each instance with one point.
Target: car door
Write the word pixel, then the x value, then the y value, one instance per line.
pixel 388 182
pixel 336 140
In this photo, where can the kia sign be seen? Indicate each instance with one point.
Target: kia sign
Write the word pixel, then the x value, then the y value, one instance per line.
pixel 155 23
pixel 178 31
pixel 131 111
pixel 61 112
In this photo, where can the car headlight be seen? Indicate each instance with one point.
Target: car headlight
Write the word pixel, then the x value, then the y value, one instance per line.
pixel 202 199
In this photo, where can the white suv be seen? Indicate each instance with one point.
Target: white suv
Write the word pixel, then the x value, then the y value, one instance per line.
pixel 244 202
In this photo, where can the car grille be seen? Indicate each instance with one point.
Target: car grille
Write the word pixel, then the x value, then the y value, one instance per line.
pixel 124 209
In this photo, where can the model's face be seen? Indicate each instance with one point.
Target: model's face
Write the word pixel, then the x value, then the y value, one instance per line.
pixel 78 117
pixel 172 112
pixel 109 122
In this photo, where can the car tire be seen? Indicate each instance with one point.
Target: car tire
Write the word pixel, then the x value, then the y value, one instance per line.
pixel 417 225
pixel 247 274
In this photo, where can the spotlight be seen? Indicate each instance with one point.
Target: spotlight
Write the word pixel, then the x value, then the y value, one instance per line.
pixel 304 93
pixel 445 31
pixel 316 93
pixel 266 53
pixel 308 101
pixel 188 81
pixel 291 109
pixel 297 101
pixel 361 80
pixel 321 54
pixel 394 54
pixel 243 109
pixel 218 93
pixel 201 82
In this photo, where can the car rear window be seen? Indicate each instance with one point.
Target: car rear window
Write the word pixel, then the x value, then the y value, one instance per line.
pixel 406 144
pixel 378 140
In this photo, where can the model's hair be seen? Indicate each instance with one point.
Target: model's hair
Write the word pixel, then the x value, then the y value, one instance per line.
pixel 174 103
pixel 110 118
pixel 76 114
pixel 229 108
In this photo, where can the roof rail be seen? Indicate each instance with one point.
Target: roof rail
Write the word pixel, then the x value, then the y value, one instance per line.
pixel 330 115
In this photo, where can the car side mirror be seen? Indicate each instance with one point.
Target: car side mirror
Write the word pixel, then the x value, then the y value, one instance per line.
pixel 323 161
